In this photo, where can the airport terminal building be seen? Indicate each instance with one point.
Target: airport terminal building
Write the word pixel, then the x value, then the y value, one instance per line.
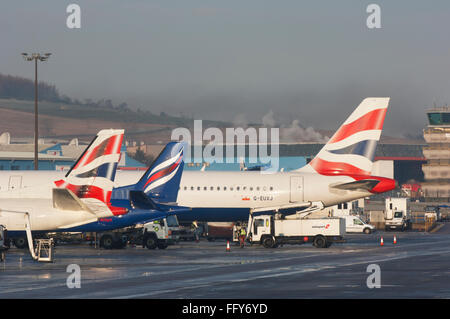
pixel 437 152
pixel 52 156
pixel 403 162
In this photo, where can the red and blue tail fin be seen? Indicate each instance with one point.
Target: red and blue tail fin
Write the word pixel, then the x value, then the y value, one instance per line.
pixel 351 150
pixel 161 181
pixel 92 175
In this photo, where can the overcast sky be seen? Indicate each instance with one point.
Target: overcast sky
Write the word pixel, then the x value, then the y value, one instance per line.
pixel 308 60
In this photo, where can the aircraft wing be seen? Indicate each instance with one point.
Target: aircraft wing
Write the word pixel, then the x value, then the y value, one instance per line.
pixel 293 206
pixel 95 219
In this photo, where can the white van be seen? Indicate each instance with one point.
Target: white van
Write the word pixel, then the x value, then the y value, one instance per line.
pixel 353 224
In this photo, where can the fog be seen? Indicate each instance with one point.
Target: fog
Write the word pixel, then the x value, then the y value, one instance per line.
pixel 309 63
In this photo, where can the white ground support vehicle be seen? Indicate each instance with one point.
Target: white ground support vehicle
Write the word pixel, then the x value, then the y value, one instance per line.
pixel 271 231
pixel 161 233
pixel 397 214
pixel 354 224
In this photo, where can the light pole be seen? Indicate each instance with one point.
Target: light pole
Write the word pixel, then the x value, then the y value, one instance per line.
pixel 36 57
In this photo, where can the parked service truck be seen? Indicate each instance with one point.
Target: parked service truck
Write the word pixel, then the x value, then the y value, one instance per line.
pixel 397 214
pixel 273 230
pixel 159 233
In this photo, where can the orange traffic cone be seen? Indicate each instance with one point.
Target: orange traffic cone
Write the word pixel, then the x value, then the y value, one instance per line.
pixel 395 239
pixel 228 246
pixel 381 242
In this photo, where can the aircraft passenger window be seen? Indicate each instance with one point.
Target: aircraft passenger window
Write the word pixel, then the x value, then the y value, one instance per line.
pixel 205 188
pixel 231 188
pixel 264 188
pixel 218 188
pixel 271 188
pixel 244 188
pixel 211 188
pixel 198 188
pixel 238 188
pixel 257 188
pixel 185 188
pixel 251 188
pixel 192 188
pixel 224 188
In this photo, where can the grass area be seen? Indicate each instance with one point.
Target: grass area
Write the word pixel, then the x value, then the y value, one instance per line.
pixel 76 111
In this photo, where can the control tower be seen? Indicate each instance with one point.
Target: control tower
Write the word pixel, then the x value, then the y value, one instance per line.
pixel 437 169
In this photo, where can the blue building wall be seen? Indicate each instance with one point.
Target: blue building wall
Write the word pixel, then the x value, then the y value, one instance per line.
pixel 287 163
pixel 53 164
pixel 13 164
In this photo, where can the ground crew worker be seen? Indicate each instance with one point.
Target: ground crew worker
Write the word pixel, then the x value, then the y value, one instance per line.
pixel 195 230
pixel 242 235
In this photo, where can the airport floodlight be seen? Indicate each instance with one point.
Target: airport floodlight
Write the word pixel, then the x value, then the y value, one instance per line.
pixel 36 57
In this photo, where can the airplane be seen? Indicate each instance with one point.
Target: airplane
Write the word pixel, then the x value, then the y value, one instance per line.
pixel 340 172
pixel 152 198
pixel 82 196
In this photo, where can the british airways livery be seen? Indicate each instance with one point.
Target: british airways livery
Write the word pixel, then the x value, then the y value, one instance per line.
pixel 153 197
pixel 340 172
pixel 82 196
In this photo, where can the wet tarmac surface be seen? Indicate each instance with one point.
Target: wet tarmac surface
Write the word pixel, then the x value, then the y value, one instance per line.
pixel 418 266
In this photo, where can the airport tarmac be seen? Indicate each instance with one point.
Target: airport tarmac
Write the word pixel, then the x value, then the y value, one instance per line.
pixel 418 266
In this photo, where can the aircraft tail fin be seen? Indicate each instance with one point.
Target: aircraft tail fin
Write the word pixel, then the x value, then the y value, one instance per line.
pixel 351 150
pixel 91 178
pixel 161 181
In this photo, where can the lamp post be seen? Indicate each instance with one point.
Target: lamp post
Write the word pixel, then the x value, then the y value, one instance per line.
pixel 36 57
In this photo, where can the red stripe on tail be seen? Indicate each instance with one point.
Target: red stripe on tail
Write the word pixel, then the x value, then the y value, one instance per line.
pixel 371 121
pixel 335 168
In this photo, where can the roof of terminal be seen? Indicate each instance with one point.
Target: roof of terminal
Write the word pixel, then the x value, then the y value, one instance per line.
pixel 384 151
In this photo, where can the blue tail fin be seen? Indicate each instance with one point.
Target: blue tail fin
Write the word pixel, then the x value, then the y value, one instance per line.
pixel 161 181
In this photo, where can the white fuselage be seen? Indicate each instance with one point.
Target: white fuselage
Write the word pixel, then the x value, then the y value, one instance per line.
pixel 43 216
pixel 208 189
